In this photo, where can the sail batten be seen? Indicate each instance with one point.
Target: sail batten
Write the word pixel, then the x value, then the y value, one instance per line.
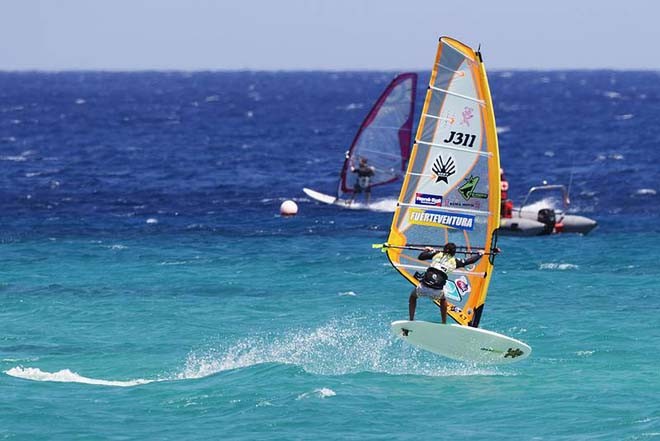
pixel 452 147
pixel 458 95
pixel 428 115
pixel 422 267
pixel 454 210
pixel 390 128
pixel 457 72
pixel 450 192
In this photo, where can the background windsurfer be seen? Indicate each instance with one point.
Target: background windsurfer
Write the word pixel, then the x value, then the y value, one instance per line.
pixel 365 172
pixel 432 281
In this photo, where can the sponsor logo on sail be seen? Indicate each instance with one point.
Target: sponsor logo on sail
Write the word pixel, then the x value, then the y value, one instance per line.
pixel 443 169
pixel 428 199
pixel 461 204
pixel 451 293
pixel 463 285
pixel 442 219
pixel 467 190
pixel 468 114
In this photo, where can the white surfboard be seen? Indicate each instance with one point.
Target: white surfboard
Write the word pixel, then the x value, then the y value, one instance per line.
pixel 382 205
pixel 322 197
pixel 464 343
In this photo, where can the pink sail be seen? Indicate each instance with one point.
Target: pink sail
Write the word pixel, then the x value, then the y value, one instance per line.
pixel 384 136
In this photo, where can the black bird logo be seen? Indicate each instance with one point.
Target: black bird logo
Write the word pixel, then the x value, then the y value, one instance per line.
pixel 513 353
pixel 443 169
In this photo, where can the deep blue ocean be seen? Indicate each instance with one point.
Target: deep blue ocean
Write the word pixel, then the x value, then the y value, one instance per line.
pixel 150 290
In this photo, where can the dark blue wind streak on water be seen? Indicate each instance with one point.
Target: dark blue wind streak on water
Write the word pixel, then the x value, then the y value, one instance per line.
pixel 219 151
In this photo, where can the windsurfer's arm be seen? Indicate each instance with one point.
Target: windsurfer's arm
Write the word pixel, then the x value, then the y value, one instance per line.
pixel 460 263
pixel 427 254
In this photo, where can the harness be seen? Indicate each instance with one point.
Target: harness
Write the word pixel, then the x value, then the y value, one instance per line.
pixel 437 273
pixel 364 176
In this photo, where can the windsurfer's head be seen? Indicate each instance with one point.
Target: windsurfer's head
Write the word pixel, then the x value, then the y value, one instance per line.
pixel 450 248
pixel 363 161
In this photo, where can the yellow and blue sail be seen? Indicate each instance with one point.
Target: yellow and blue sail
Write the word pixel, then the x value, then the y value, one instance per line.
pixel 451 189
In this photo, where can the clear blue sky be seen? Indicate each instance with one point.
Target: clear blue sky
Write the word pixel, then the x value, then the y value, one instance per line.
pixel 324 34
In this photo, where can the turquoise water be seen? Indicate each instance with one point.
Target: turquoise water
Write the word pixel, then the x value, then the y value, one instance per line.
pixel 293 342
pixel 149 290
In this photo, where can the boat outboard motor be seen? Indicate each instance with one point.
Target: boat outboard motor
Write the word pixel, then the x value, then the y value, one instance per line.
pixel 547 217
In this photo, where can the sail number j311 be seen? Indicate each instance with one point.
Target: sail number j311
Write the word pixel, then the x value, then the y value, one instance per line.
pixel 458 138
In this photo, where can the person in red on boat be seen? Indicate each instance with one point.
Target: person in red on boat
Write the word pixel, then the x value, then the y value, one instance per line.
pixel 506 209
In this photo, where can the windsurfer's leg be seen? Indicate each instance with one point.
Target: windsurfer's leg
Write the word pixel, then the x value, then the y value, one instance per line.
pixel 412 305
pixel 356 191
pixel 367 195
pixel 443 309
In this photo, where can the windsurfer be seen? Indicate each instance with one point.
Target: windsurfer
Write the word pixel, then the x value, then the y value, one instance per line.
pixel 432 281
pixel 364 172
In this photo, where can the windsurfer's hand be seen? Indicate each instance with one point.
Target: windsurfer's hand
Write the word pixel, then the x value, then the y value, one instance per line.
pixel 481 252
pixel 429 249
pixel 497 250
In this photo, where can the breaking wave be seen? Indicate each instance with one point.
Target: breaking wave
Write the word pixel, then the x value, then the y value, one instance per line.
pixel 67 376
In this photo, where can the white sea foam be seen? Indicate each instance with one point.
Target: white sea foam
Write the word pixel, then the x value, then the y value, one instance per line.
pixel 324 392
pixel 348 293
pixel 13 158
pixel 352 106
pixel 624 117
pixel 176 262
pixel 503 129
pixel 646 192
pixel 67 376
pixel 611 94
pixel 380 205
pixel 584 353
pixel 558 266
pixel 335 348
pixel 14 360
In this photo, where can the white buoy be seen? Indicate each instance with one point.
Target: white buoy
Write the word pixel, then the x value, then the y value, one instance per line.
pixel 288 208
